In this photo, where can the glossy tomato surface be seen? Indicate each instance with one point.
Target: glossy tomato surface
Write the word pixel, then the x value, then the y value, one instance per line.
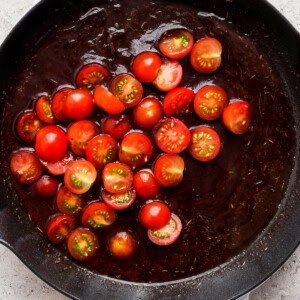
pixel 58 103
pixel 44 111
pixel 116 126
pixel 46 187
pixel 121 245
pixel 58 167
pixel 145 184
pixel 119 201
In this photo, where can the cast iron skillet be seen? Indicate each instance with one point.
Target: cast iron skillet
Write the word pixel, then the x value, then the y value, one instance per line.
pixel 231 280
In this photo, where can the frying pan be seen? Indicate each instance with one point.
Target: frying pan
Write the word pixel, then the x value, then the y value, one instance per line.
pixel 231 280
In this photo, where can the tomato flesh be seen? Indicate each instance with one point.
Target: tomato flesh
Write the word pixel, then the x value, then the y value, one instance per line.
pixel 116 126
pixel 58 103
pixel 58 167
pixel 145 184
pixel 119 201
pixel 46 187
pixel 44 111
pixel 121 245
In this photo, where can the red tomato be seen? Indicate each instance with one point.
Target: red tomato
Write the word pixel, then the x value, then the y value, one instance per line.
pixel 172 136
pixel 97 215
pixel 106 101
pixel 168 170
pixel 117 177
pixel 27 126
pixel 43 110
pixel 78 104
pixel 51 143
pixel 91 75
pixel 135 149
pixel 68 202
pixel 79 134
pixel 205 143
pixel 168 234
pixel 80 176
pixel 25 166
pixel 237 117
pixel 58 103
pixel 127 89
pixel 58 167
pixel 119 201
pixel 145 184
pixel 82 244
pixel 148 113
pixel 46 187
pixel 145 66
pixel 169 75
pixel 178 101
pixel 116 126
pixel 121 245
pixel 206 55
pixel 154 215
pixel 176 43
pixel 101 150
pixel 59 227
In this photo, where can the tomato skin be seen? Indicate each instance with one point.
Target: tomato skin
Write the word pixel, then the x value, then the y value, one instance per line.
pixel 44 111
pixel 58 103
pixel 116 126
pixel 145 184
pixel 46 187
pixel 154 215
pixel 148 113
pixel 78 104
pixel 58 167
pixel 121 245
pixel 119 201
pixel 237 117
pixel 145 66
pixel 51 143
pixel 68 203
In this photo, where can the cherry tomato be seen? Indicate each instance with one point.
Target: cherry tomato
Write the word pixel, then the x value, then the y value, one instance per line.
pixel 148 113
pixel 51 143
pixel 145 184
pixel 44 111
pixel 117 177
pixel 82 244
pixel 154 215
pixel 58 167
pixel 25 166
pixel 178 101
pixel 116 126
pixel 169 75
pixel 108 102
pixel 172 136
pixel 127 89
pixel 205 143
pixel 78 104
pixel 58 103
pixel 176 43
pixel 135 149
pixel 46 187
pixel 27 126
pixel 237 117
pixel 210 102
pixel 80 176
pixel 91 75
pixel 206 55
pixel 97 215
pixel 79 134
pixel 59 227
pixel 145 66
pixel 121 245
pixel 167 235
pixel 101 150
pixel 119 201
pixel 168 170
pixel 68 202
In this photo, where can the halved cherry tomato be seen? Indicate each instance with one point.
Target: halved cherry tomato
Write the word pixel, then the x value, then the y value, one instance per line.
pixel 178 101
pixel 27 126
pixel 91 75
pixel 145 66
pixel 44 111
pixel 101 150
pixel 167 235
pixel 127 89
pixel 205 143
pixel 82 244
pixel 135 149
pixel 206 55
pixel 68 202
pixel 171 135
pixel 79 134
pixel 58 167
pixel 119 201
pixel 176 43
pixel 121 245
pixel 145 184
pixel 58 103
pixel 237 117
pixel 169 75
pixel 46 187
pixel 97 215
pixel 78 104
pixel 25 166
pixel 80 176
pixel 168 170
pixel 59 227
pixel 51 143
pixel 148 113
pixel 117 177
pixel 116 126
pixel 108 102
pixel 154 215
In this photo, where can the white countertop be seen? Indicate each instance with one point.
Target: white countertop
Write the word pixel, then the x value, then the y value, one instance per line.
pixel 17 282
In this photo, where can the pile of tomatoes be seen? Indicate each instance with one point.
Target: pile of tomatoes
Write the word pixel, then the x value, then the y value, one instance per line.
pixel 86 155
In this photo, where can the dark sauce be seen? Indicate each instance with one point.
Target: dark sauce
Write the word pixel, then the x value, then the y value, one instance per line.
pixel 223 204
